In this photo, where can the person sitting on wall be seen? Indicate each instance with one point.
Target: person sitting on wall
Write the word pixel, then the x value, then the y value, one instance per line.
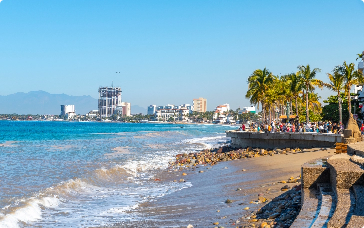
pixel 243 127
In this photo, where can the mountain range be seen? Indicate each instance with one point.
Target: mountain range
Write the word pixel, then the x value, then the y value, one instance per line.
pixel 41 102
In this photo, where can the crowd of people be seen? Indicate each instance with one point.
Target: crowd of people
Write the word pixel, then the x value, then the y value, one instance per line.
pixel 294 126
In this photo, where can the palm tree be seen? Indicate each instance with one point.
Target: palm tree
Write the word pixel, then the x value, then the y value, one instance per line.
pixel 309 82
pixel 336 84
pixel 296 86
pixel 360 56
pixel 259 82
pixel 351 77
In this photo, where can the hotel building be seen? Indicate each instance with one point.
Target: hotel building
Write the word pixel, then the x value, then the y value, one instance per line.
pixel 200 105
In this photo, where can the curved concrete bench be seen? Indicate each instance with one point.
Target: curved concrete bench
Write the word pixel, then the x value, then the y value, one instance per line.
pixel 341 200
pixel 357 219
pixel 345 202
pixel 309 210
pixel 327 207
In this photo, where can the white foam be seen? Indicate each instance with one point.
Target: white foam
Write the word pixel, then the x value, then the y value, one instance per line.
pixel 31 212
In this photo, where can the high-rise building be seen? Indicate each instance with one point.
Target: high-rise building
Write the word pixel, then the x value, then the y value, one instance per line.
pixel 152 109
pixel 109 99
pixel 200 105
pixel 68 111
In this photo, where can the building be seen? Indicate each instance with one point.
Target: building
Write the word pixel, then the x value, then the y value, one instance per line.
pixel 221 112
pixel 187 106
pixel 200 105
pixel 109 99
pixel 68 111
pixel 93 113
pixel 152 109
pixel 250 109
pixel 126 108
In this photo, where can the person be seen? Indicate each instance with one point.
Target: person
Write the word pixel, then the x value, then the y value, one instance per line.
pixel 321 129
pixel 284 127
pixel 362 129
pixel 325 127
pixel 329 127
pixel 308 127
pixel 243 127
pixel 293 128
pixel 273 126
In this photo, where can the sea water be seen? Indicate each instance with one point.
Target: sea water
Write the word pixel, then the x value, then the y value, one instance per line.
pixel 83 174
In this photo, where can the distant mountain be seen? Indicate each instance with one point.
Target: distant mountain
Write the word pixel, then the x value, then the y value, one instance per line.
pixel 135 109
pixel 41 102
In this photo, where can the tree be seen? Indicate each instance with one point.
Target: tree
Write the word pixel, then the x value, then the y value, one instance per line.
pixel 296 87
pixel 309 82
pixel 258 85
pixel 351 77
pixel 330 111
pixel 336 84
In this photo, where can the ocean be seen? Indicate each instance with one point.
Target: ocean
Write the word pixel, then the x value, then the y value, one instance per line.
pixel 89 174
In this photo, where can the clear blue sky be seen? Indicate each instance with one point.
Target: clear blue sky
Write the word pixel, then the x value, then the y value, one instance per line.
pixel 170 51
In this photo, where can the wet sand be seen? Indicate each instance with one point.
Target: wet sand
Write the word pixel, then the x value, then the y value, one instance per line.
pixel 204 203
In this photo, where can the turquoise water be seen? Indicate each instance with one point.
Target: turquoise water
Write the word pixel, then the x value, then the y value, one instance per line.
pixel 77 174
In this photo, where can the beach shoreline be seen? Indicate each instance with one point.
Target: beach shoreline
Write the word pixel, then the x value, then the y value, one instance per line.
pixel 225 194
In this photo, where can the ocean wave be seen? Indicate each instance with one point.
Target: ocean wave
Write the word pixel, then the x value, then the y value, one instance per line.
pixel 207 142
pixel 31 211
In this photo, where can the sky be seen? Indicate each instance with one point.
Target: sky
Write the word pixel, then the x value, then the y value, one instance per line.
pixel 169 52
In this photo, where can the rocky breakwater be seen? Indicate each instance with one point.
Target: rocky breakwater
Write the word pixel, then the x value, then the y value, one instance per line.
pixel 280 212
pixel 227 153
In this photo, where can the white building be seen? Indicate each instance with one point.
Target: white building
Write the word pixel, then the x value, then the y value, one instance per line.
pixel 68 111
pixel 109 99
pixel 246 110
pixel 221 111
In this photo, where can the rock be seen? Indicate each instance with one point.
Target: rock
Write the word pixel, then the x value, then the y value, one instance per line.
pixel 189 226
pixel 238 189
pixel 216 223
pixel 262 199
pixel 228 201
pixel 218 211
pixel 273 216
pixel 263 224
pixel 243 170
pixel 285 188
pixel 254 220
pixel 201 171
pixel 181 180
pixel 184 174
pixel 246 208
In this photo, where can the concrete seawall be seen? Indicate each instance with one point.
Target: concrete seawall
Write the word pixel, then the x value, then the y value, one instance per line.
pixel 242 139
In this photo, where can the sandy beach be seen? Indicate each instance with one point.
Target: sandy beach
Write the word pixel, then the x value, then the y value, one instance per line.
pixel 204 203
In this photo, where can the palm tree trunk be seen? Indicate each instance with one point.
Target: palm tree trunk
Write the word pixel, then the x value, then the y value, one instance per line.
pixel 263 109
pixel 290 102
pixel 307 115
pixel 340 108
pixel 349 101
pixel 296 107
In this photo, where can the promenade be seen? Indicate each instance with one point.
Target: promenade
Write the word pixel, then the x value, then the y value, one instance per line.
pixel 243 139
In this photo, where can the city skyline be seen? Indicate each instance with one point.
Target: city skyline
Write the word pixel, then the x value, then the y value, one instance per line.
pixel 170 52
